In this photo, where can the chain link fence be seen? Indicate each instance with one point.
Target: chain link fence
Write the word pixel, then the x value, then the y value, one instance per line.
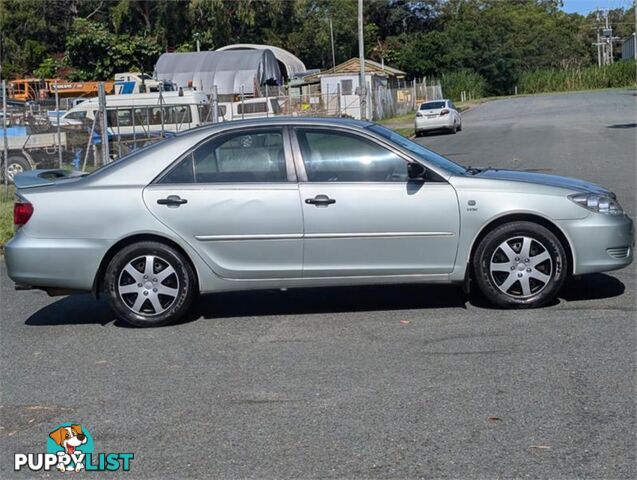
pixel 86 135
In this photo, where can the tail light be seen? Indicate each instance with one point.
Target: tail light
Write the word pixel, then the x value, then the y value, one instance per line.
pixel 22 212
pixel 444 112
pixel 418 114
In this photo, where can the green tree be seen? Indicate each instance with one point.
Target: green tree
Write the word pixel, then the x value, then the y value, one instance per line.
pixel 96 53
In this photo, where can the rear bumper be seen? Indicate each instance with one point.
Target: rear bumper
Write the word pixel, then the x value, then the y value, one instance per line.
pixel 600 242
pixel 53 262
pixel 437 123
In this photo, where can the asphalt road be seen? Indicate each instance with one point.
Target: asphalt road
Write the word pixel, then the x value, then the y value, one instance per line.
pixel 375 382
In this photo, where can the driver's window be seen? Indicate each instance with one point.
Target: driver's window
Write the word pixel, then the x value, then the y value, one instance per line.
pixel 341 157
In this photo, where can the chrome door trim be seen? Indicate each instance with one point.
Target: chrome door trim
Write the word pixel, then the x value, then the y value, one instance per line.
pixel 294 236
pixel 379 235
pixel 267 236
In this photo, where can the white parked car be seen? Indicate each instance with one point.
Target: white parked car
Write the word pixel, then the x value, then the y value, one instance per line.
pixel 437 115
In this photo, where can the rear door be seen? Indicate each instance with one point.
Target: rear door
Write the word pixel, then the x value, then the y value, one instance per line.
pixel 362 214
pixel 235 199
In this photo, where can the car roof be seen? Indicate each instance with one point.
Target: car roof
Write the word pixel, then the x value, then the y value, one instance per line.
pixel 279 121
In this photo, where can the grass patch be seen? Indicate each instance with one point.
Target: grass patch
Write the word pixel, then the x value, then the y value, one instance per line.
pixel 6 214
pixel 405 132
pixel 618 74
pixel 408 117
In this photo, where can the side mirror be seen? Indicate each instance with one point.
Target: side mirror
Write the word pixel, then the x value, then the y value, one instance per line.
pixel 415 171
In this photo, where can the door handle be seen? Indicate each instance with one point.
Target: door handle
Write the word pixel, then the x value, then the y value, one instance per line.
pixel 320 201
pixel 172 201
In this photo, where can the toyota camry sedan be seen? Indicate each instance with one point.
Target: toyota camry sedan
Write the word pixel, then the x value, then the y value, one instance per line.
pixel 301 202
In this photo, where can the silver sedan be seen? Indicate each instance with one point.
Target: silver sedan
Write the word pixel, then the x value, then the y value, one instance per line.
pixel 282 203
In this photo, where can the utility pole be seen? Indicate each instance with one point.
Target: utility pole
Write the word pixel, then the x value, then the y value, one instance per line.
pixel 599 45
pixel 332 40
pixel 608 34
pixel 101 100
pixel 5 141
pixel 361 55
pixel 57 128
pixel 605 40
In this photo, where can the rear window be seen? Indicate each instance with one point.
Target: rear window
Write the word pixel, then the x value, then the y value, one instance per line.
pixel 432 105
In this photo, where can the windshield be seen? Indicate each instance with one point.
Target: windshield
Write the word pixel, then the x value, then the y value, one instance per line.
pixel 420 151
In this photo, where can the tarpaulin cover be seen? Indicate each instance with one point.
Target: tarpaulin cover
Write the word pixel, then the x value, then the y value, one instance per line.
pixel 228 70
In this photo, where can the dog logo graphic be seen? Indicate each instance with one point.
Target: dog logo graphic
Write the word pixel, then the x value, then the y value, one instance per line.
pixel 70 438
pixel 70 448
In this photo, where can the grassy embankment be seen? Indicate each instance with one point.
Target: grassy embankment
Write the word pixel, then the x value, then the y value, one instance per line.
pixel 617 75
pixel 6 214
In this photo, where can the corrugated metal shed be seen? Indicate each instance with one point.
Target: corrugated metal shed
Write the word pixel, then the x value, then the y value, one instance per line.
pixel 228 70
pixel 629 48
pixel 293 65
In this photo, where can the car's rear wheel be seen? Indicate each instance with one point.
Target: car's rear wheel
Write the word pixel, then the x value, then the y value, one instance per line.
pixel 520 264
pixel 149 284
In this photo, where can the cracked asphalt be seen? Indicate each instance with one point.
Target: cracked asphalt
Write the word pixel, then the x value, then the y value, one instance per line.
pixel 366 382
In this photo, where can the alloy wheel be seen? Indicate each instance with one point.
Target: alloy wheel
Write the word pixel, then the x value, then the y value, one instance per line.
pixel 521 267
pixel 148 285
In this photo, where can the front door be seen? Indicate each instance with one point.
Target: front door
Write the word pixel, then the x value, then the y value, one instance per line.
pixel 363 216
pixel 234 199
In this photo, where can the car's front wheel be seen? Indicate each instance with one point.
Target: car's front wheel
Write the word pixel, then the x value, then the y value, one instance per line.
pixel 149 284
pixel 520 264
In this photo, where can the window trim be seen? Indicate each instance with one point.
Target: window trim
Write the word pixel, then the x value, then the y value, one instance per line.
pixel 300 164
pixel 287 152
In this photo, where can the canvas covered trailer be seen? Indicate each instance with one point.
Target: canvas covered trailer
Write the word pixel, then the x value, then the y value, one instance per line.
pixel 232 72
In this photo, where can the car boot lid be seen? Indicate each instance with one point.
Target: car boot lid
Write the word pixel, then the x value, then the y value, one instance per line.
pixel 37 178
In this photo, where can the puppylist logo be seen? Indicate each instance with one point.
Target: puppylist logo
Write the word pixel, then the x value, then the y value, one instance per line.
pixel 70 449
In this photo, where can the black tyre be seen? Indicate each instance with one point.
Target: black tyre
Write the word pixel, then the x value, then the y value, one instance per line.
pixel 520 264
pixel 16 164
pixel 149 284
pixel 454 129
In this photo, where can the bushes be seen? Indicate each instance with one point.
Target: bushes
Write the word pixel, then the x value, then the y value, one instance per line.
pixel 453 83
pixel 618 74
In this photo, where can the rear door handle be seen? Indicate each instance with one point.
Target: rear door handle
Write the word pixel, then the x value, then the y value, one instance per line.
pixel 320 201
pixel 172 201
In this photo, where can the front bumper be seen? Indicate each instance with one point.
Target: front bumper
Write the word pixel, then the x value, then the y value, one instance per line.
pixel 600 243
pixel 53 262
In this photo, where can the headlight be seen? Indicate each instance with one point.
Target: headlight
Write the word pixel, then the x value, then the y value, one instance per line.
pixel 598 203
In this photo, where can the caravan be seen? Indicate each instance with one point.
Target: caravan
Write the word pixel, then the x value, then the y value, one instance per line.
pixel 145 113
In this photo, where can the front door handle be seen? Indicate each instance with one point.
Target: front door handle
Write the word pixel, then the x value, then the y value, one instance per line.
pixel 172 201
pixel 320 201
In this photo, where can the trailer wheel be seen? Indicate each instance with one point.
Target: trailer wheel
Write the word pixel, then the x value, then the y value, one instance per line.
pixel 16 164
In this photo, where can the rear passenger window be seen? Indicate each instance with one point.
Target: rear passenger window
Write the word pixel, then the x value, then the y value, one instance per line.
pixel 235 158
